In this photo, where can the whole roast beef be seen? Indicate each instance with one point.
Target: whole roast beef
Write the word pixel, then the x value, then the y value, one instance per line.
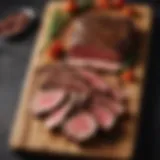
pixel 104 36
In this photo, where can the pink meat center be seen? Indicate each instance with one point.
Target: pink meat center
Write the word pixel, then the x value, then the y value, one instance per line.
pixel 95 53
pixel 57 117
pixel 46 100
pixel 104 117
pixel 80 124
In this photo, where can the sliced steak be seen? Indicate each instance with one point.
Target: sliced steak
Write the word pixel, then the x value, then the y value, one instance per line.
pixel 52 69
pixel 95 53
pixel 80 127
pixel 67 80
pixel 94 63
pixel 114 106
pixel 104 117
pixel 46 101
pixel 118 94
pixel 58 116
pixel 83 99
pixel 93 79
pixel 51 76
pixel 69 83
pixel 77 85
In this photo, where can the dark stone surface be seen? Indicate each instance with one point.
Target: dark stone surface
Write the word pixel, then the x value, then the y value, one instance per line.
pixel 14 58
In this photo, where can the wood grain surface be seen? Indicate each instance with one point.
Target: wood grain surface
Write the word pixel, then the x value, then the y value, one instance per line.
pixel 30 134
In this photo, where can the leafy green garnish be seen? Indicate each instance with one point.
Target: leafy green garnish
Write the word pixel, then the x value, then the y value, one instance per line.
pixel 57 24
pixel 59 20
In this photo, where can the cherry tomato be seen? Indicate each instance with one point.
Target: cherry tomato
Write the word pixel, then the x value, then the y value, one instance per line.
pixel 128 11
pixel 71 6
pixel 118 3
pixel 102 4
pixel 55 49
pixel 127 76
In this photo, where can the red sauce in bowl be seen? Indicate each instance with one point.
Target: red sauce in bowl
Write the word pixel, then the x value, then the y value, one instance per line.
pixel 14 24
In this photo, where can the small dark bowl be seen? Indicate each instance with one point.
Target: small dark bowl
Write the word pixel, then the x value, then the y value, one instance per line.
pixel 32 22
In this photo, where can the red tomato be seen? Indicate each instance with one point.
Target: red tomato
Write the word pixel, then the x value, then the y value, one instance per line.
pixel 127 76
pixel 127 11
pixel 57 46
pixel 102 4
pixel 55 49
pixel 70 6
pixel 118 3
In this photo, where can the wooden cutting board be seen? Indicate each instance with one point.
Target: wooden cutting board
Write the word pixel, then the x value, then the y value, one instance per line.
pixel 29 134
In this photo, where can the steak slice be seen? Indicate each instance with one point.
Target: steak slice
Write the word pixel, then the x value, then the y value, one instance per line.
pixel 80 127
pixel 58 116
pixel 78 86
pixel 82 99
pixel 93 52
pixel 67 82
pixel 64 79
pixel 94 63
pixel 118 94
pixel 114 106
pixel 46 101
pixel 93 79
pixel 50 76
pixel 103 116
